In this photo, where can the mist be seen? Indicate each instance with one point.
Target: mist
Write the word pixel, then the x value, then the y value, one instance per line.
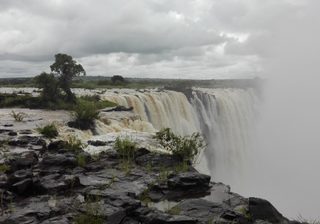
pixel 286 159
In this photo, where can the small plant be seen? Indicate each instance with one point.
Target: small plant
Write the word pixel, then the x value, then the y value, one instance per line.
pixel 175 210
pixel 81 160
pixel 126 166
pixel 186 148
pixel 4 168
pixel 91 214
pixel 73 144
pixel 126 148
pixel 144 197
pixel 18 116
pixel 48 131
pixel 163 175
pixel 182 167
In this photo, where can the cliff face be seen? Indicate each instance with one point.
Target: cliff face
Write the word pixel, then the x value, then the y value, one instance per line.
pixel 44 182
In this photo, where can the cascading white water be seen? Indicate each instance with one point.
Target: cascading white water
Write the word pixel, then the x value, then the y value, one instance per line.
pixel 224 116
pixel 161 108
pixel 227 118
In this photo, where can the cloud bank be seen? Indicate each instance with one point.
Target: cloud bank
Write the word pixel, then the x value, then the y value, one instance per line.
pixel 142 38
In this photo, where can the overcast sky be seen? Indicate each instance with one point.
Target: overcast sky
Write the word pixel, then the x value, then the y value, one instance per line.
pixel 145 38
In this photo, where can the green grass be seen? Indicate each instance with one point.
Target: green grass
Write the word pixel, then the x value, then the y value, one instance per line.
pixel 73 144
pixel 81 160
pixel 48 131
pixel 88 219
pixel 125 147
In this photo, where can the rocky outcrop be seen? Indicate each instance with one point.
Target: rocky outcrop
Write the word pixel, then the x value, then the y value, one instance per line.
pixel 56 185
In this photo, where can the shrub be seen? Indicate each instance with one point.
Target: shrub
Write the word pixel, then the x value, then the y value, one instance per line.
pixel 85 112
pixel 186 148
pixel 91 214
pixel 4 168
pixel 18 116
pixel 48 131
pixel 73 144
pixel 125 147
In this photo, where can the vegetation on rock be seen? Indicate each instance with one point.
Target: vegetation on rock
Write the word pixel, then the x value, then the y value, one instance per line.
pixel 185 147
pixel 126 148
pixel 48 131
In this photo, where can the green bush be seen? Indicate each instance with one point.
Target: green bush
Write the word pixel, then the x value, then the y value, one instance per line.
pixel 85 112
pixel 125 147
pixel 185 147
pixel 48 131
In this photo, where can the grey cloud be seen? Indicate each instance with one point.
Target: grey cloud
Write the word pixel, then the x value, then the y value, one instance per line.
pixel 145 35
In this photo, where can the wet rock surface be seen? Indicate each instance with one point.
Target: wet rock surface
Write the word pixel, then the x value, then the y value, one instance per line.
pixel 44 183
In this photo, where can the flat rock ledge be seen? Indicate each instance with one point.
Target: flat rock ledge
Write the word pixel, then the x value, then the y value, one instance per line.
pixel 44 183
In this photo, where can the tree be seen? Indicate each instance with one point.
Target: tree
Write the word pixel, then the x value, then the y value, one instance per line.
pixel 116 79
pixel 65 68
pixel 50 86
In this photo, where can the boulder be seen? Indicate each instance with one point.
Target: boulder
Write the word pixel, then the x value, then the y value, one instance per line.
pixel 261 209
pixel 56 145
pixel 157 160
pixel 23 160
pixel 154 216
pixel 56 182
pixel 23 186
pixel 188 180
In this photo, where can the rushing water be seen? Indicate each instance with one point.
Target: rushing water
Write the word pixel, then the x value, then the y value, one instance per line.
pixel 224 116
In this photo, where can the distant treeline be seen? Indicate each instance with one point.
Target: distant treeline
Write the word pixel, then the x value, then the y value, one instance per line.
pixel 92 82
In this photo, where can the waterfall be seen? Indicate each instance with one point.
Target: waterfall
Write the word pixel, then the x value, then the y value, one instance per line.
pixel 163 109
pixel 227 118
pixel 224 116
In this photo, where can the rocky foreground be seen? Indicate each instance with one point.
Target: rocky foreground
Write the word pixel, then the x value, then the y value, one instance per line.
pixel 43 182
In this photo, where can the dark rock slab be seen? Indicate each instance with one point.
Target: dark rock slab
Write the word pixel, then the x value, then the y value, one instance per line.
pixel 56 145
pixel 261 209
pixel 66 159
pixel 153 216
pixel 23 186
pixel 157 160
pixel 206 211
pixel 97 143
pixel 188 180
pixel 55 183
pixel 23 160
pixel 102 209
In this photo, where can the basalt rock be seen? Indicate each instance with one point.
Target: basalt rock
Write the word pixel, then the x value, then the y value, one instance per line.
pixel 261 209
